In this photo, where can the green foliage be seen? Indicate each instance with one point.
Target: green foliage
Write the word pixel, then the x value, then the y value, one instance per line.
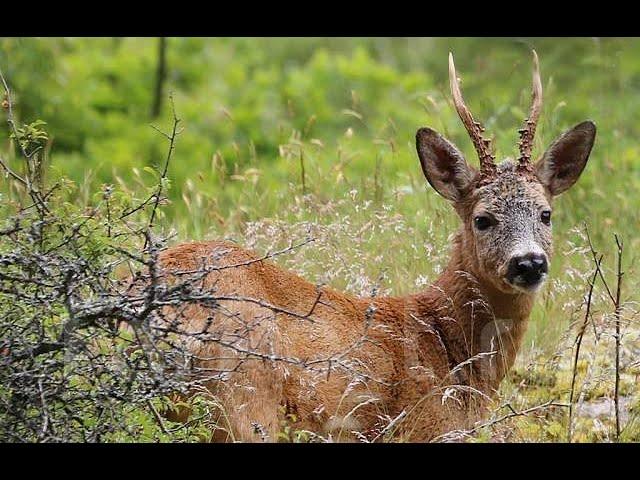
pixel 251 107
pixel 31 136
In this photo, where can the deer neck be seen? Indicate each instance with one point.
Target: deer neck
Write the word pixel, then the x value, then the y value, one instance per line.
pixel 475 319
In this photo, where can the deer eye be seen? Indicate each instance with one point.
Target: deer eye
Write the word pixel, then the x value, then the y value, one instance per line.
pixel 482 222
pixel 546 217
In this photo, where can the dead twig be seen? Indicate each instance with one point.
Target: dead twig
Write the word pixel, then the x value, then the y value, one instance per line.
pixel 578 343
pixel 617 311
pixel 172 143
pixel 512 413
pixel 158 417
pixel 594 254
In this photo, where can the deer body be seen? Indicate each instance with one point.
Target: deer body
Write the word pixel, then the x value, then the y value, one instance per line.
pixel 416 366
pixel 412 345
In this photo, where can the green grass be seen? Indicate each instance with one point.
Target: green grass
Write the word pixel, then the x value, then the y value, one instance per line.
pixel 255 110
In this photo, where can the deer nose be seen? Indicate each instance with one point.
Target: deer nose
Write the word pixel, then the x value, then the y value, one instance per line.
pixel 527 270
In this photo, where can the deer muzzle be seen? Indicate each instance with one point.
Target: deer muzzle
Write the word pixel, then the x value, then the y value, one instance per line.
pixel 527 271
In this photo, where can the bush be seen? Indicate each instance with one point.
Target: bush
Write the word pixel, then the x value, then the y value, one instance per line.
pixel 84 349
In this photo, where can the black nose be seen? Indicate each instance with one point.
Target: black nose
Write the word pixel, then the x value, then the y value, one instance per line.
pixel 527 270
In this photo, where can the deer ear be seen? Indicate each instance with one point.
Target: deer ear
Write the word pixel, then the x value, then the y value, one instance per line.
pixel 563 162
pixel 443 164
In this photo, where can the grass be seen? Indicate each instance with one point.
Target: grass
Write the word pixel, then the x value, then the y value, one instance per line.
pixel 257 111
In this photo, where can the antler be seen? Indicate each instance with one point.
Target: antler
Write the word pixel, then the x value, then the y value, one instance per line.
pixel 527 133
pixel 475 129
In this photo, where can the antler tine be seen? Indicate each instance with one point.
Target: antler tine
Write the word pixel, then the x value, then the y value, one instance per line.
pixel 527 133
pixel 475 129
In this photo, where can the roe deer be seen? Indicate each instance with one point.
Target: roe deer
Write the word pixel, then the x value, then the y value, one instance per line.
pixel 416 366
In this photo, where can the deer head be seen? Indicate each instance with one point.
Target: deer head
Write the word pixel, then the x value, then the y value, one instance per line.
pixel 506 207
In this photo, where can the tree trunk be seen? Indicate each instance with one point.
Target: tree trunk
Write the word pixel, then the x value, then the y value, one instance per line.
pixel 161 74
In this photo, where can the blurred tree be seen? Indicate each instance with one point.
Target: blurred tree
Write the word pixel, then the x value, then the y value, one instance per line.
pixel 161 75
